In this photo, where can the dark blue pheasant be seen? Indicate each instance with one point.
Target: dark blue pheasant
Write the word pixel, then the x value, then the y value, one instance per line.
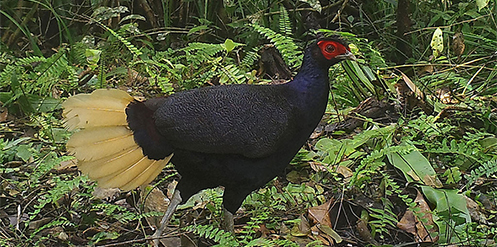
pixel 237 136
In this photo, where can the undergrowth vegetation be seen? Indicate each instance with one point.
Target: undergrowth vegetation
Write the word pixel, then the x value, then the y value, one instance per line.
pixel 406 152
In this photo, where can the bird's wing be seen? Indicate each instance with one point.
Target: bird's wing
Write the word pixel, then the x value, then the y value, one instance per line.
pixel 241 119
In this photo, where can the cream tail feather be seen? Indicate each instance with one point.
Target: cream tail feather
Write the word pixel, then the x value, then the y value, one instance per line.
pixel 104 145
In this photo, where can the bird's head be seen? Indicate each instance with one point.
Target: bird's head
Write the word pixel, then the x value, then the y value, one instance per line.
pixel 332 50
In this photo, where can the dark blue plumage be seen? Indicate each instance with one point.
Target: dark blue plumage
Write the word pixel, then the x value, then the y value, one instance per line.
pixel 237 136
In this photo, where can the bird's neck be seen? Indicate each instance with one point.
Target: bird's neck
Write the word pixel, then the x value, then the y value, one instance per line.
pixel 311 84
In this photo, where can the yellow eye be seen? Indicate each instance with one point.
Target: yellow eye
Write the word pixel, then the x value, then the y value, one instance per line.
pixel 330 48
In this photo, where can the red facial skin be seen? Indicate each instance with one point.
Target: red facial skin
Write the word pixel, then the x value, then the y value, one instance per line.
pixel 331 49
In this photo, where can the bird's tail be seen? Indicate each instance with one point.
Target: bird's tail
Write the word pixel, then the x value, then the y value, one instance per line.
pixel 104 145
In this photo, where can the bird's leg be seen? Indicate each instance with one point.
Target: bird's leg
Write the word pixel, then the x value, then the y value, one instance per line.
pixel 228 221
pixel 175 201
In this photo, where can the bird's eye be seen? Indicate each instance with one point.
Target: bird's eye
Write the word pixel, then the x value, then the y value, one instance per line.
pixel 330 48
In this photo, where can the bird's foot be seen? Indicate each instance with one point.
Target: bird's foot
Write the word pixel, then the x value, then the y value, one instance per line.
pixel 175 201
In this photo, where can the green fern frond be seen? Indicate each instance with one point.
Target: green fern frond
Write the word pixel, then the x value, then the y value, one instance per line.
pixel 232 74
pixel 486 169
pixel 459 148
pixel 30 60
pixel 285 25
pixel 286 45
pixel 51 71
pixel 370 164
pixel 382 218
pixel 214 233
pixel 197 64
pixel 6 74
pixel 60 222
pixel 250 58
pixel 198 53
pixel 128 44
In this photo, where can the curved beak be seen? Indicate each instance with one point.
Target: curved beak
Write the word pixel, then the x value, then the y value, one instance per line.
pixel 347 56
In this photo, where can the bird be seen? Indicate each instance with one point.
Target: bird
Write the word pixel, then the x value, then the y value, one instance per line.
pixel 236 136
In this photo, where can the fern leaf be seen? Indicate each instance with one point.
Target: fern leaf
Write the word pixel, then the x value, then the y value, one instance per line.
pixel 285 26
pixel 286 45
pixel 486 169
pixel 214 233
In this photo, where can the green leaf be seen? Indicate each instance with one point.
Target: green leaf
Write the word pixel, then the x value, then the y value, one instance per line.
pixel 453 175
pixel 229 45
pixel 415 168
pixel 330 232
pixel 200 28
pixel 44 104
pixel 489 143
pixel 450 214
pixel 92 56
pixel 481 4
pixel 24 152
pixel 437 44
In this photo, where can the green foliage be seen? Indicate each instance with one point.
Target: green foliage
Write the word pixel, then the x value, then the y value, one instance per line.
pixel 415 167
pixel 285 25
pixel 63 222
pixel 486 169
pixel 10 150
pixel 30 82
pixel 455 143
pixel 227 239
pixel 383 219
pixel 285 45
pixel 122 214
pixel 450 214
pixel 196 65
pixel 216 234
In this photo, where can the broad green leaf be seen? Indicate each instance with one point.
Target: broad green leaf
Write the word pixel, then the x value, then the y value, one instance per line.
pixel 24 152
pixel 437 44
pixel 44 104
pixel 200 28
pixel 489 143
pixel 481 4
pixel 229 45
pixel 415 168
pixel 450 214
pixel 92 56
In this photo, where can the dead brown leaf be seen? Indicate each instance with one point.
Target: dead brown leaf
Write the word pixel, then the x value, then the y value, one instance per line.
pixel 4 113
pixel 321 214
pixel 317 166
pixel 67 164
pixel 110 193
pixel 458 44
pixel 412 86
pixel 155 201
pixel 318 234
pixel 475 211
pixel 412 224
pixel 264 230
pixel 408 222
